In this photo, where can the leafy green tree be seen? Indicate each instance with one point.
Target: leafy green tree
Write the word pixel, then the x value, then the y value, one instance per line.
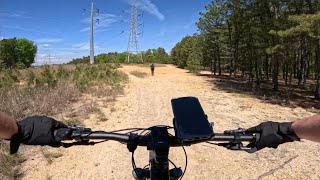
pixel 17 53
pixel 26 52
pixel 194 62
pixel 8 52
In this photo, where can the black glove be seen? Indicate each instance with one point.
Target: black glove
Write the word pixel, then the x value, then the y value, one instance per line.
pixel 36 130
pixel 272 134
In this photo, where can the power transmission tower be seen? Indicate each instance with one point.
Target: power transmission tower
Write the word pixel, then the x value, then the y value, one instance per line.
pixel 49 59
pixel 133 43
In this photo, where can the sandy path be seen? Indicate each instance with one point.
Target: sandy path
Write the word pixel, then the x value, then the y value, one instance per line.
pixel 147 102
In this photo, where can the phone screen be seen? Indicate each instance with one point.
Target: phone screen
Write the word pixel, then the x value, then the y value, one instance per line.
pixel 190 121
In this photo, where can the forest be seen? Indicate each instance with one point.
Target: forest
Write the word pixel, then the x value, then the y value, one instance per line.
pixel 158 55
pixel 259 40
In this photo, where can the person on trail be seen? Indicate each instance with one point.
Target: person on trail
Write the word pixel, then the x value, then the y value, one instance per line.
pixel 152 69
pixel 39 130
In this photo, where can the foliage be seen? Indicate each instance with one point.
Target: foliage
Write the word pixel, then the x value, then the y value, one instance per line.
pixel 26 52
pixel 9 78
pixel 43 90
pixel 17 53
pixel 193 63
pixel 158 55
pixel 258 39
pixel 189 45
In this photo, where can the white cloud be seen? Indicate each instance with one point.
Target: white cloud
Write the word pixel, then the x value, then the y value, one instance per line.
pixel 105 21
pixel 45 45
pixel 22 16
pixel 31 30
pixel 48 40
pixel 151 8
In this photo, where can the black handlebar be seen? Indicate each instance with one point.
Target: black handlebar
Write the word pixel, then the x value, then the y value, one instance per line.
pixel 158 142
pixel 233 138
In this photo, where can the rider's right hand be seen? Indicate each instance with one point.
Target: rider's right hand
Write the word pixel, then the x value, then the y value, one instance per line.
pixel 273 134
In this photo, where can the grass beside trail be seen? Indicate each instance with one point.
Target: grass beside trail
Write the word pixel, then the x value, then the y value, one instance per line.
pixel 51 90
pixel 139 74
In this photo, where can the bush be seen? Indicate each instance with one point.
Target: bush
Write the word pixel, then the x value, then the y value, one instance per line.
pixel 9 78
pixel 193 63
pixel 49 77
pixel 62 73
pixel 31 77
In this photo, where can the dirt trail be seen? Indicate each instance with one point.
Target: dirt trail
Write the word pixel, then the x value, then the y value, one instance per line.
pixel 147 102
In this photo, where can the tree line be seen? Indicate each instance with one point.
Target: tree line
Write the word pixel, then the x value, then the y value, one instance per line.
pixel 17 53
pixel 261 40
pixel 158 55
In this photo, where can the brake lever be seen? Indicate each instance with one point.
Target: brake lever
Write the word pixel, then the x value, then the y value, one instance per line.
pixel 236 144
pixel 70 133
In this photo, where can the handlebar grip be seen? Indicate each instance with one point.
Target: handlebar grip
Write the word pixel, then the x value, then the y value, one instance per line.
pixel 62 134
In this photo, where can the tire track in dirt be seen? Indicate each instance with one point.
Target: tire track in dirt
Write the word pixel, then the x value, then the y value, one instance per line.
pixel 147 102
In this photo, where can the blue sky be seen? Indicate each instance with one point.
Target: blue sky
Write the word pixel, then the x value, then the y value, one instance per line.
pixel 60 28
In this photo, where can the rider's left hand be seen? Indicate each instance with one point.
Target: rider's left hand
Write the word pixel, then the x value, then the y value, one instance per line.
pixel 36 130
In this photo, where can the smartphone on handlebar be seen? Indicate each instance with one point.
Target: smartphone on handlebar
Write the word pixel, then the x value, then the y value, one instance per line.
pixel 190 122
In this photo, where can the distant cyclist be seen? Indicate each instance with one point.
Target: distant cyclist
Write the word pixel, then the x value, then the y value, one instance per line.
pixel 152 69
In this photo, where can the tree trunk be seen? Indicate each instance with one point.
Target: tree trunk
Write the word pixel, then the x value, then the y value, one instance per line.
pixel 286 73
pixel 283 70
pixel 211 65
pixel 275 73
pixel 317 93
pixel 266 70
pixel 257 71
pixel 219 60
pixel 236 54
pixel 231 48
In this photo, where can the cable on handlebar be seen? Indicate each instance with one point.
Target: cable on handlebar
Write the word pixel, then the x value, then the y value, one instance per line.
pixel 185 167
pixel 133 130
pixel 168 127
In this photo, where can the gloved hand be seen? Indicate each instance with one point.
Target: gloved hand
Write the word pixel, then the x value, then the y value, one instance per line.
pixel 273 134
pixel 36 130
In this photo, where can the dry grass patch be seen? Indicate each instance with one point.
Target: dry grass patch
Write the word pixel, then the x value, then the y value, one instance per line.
pixel 73 121
pixel 50 156
pixel 9 163
pixel 139 74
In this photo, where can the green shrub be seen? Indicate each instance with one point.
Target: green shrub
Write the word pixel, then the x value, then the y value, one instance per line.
pixel 82 83
pixel 62 73
pixel 49 77
pixel 31 77
pixel 193 63
pixel 9 78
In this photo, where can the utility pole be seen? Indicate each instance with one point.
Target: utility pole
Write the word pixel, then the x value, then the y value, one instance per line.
pixel 133 38
pixel 92 13
pixel 91 35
